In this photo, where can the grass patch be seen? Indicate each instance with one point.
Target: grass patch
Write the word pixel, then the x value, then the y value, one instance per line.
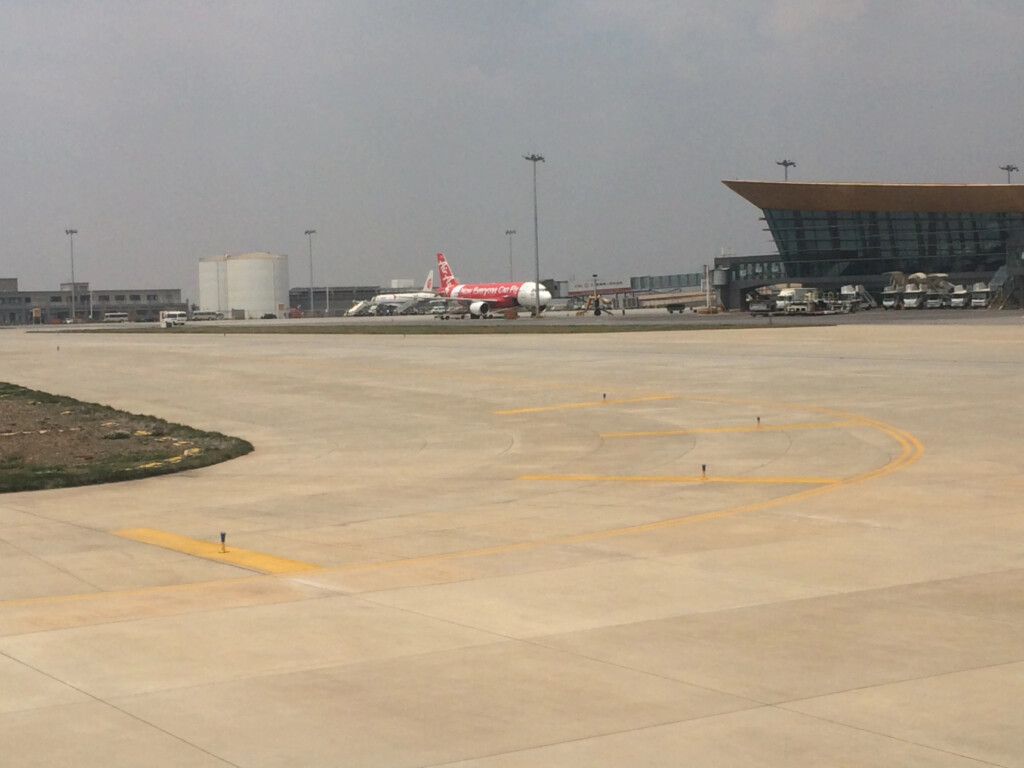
pixel 52 441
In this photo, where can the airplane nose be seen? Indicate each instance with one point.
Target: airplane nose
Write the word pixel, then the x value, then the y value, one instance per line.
pixel 531 293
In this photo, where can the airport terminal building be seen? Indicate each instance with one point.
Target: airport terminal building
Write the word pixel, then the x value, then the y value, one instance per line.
pixel 85 304
pixel 834 234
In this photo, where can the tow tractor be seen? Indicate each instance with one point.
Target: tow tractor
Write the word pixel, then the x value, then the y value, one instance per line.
pixel 595 303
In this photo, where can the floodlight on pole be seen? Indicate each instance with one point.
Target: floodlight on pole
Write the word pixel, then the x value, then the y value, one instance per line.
pixel 510 232
pixel 786 165
pixel 309 233
pixel 535 158
pixel 1009 168
pixel 71 241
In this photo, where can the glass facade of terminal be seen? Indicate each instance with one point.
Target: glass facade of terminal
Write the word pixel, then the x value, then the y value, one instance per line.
pixel 852 243
pixel 684 281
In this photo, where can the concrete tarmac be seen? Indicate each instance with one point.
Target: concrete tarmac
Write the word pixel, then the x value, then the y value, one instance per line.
pixel 768 546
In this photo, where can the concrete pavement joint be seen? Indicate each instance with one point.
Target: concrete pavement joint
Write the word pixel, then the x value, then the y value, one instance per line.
pixel 111 705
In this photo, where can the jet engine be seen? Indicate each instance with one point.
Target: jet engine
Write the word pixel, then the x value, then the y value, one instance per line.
pixel 479 308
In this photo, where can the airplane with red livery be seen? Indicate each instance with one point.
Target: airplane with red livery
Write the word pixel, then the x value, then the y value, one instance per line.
pixel 480 299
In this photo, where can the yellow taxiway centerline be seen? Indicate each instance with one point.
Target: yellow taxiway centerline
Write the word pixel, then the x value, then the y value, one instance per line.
pixel 910 451
pixel 257 561
pixel 586 404
pixel 679 479
pixel 716 430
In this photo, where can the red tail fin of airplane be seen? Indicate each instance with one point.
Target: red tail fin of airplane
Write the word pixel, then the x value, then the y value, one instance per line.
pixel 448 280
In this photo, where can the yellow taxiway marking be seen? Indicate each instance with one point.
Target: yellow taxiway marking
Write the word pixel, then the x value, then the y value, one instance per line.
pixel 678 479
pixel 587 404
pixel 910 451
pixel 716 430
pixel 257 561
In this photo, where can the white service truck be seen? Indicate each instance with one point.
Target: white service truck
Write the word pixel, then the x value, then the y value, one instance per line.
pixel 171 318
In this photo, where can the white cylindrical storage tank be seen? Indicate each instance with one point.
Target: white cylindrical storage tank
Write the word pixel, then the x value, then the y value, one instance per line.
pixel 250 285
pixel 213 284
pixel 281 286
pixel 250 278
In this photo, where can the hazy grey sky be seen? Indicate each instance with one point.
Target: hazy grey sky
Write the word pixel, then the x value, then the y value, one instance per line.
pixel 169 131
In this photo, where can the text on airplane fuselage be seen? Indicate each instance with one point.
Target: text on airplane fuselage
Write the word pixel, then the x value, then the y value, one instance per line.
pixel 481 291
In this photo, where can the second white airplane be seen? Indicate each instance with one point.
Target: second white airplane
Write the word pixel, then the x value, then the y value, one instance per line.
pixel 396 303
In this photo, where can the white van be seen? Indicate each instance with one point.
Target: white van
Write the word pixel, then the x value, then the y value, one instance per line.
pixel 169 319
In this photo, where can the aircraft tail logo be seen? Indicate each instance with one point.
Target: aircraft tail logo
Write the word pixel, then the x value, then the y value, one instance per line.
pixel 429 284
pixel 448 280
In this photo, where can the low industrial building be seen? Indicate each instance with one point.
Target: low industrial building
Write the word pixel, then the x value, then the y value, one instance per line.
pixel 834 234
pixel 83 303
pixel 245 285
pixel 332 300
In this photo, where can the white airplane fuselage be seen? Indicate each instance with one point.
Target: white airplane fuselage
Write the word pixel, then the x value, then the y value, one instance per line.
pixel 399 299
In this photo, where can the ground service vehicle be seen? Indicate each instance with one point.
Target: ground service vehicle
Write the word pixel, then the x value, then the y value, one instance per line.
pixel 170 318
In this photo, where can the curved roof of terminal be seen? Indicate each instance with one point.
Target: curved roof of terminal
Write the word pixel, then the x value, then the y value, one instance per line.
pixel 892 198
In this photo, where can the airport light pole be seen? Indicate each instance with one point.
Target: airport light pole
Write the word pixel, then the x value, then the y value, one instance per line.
pixel 535 158
pixel 71 241
pixel 786 165
pixel 1009 168
pixel 510 232
pixel 309 233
